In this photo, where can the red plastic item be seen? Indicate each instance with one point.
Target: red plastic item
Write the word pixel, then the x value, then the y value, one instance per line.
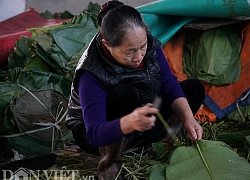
pixel 13 28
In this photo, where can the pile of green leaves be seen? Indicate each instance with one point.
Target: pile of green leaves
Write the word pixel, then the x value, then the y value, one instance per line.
pixel 213 55
pixel 56 49
pixel 49 15
pixel 210 160
pixel 46 60
pixel 223 153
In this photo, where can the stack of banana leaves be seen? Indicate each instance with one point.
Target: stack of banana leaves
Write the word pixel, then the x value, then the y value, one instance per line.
pixel 36 86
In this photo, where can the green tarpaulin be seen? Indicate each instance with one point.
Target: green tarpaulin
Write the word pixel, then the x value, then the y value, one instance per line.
pixel 166 17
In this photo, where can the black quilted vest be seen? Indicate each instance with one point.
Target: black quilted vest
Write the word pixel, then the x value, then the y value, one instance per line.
pixel 147 80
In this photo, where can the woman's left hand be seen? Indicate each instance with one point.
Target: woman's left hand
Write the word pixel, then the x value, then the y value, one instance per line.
pixel 182 109
pixel 194 130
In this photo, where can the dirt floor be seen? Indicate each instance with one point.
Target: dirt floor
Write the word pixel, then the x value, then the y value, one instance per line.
pixel 73 158
pixel 69 158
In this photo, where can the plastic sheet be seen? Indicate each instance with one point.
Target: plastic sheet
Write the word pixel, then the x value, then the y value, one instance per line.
pixel 166 17
pixel 13 28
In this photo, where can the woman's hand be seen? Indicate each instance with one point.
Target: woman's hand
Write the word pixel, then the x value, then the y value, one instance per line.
pixel 141 119
pixel 194 130
pixel 182 109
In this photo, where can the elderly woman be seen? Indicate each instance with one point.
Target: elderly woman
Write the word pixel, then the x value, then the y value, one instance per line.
pixel 115 82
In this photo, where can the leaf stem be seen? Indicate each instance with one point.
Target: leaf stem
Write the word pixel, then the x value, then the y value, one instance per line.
pixel 203 159
pixel 170 131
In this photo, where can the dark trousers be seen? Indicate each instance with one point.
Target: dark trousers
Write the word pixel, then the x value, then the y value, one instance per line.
pixel 125 98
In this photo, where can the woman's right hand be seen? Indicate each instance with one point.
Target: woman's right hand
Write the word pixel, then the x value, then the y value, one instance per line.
pixel 141 119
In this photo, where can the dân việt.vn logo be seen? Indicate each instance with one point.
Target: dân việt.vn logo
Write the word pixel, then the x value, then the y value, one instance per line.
pixel 27 174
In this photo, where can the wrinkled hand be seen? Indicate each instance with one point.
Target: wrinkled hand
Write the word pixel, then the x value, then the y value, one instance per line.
pixel 141 119
pixel 194 130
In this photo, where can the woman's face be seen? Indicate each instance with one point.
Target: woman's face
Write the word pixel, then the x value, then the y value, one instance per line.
pixel 132 50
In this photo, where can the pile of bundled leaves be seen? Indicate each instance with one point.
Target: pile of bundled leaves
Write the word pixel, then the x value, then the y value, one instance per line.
pixel 36 87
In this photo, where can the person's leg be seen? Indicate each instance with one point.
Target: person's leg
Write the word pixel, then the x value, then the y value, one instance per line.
pixel 194 92
pixel 111 160
pixel 121 101
pixel 79 136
